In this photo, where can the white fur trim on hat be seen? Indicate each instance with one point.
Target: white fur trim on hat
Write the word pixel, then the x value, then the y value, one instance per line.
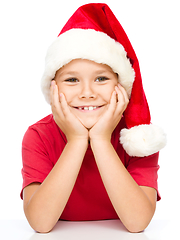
pixel 142 140
pixel 87 44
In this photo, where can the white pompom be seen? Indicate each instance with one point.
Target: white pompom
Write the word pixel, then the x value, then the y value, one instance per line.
pixel 142 140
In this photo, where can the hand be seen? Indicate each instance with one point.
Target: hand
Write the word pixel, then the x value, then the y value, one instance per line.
pixel 109 120
pixel 67 122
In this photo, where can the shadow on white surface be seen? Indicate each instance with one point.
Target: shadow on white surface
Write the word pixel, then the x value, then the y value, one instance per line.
pixel 112 229
pixel 95 230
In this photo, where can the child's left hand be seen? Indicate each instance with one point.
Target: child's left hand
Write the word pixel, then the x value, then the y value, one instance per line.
pixel 103 129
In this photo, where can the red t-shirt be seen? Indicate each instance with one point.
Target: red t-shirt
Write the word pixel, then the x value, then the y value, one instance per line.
pixel 42 146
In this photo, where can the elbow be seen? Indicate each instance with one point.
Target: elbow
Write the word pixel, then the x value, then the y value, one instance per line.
pixel 41 228
pixel 139 223
pixel 135 227
pixel 40 225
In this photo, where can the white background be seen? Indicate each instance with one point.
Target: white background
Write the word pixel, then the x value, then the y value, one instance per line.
pixel 27 28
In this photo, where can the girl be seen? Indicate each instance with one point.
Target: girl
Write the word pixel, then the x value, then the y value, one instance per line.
pixel 96 156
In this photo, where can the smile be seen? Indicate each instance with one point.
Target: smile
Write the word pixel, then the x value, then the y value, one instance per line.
pixel 87 108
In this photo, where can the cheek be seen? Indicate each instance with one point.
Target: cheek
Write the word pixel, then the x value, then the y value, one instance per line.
pixel 107 92
pixel 66 91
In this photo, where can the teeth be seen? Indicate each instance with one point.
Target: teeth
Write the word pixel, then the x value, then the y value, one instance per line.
pixel 91 108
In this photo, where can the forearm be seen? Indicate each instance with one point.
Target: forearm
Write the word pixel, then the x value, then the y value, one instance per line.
pixel 47 203
pixel 131 203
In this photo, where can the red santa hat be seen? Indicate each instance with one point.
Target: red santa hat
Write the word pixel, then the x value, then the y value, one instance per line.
pixel 94 33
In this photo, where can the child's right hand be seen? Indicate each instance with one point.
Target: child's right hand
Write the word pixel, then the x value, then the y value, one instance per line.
pixel 65 119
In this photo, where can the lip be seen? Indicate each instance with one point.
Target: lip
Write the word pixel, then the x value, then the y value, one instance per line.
pixel 88 108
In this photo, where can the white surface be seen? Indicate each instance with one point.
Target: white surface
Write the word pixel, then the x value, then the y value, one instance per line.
pixel 95 230
pixel 27 29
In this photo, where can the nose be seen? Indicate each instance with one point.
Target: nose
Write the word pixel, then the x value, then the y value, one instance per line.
pixel 87 91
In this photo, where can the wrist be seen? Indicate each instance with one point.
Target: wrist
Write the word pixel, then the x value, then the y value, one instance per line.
pixel 100 141
pixel 77 138
pixel 79 142
pixel 100 146
pixel 100 138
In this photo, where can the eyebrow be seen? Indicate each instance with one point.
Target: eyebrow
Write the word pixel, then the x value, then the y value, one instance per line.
pixel 68 73
pixel 101 71
pixel 75 72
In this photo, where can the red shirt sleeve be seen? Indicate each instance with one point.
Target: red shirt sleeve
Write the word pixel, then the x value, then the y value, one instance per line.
pixel 35 158
pixel 145 171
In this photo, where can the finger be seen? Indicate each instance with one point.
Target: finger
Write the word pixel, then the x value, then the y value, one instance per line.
pixel 51 91
pixel 64 105
pixel 113 101
pixel 121 102
pixel 55 103
pixel 125 95
pixel 55 97
pixel 69 116
pixel 122 97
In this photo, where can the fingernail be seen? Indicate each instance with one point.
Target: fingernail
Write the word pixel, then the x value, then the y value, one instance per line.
pixel 53 84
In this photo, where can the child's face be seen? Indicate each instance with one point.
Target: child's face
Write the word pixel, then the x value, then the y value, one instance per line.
pixel 88 87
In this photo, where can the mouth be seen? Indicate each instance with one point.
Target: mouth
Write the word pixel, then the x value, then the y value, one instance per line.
pixel 87 108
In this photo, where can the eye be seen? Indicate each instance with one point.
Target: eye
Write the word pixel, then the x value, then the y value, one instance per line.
pixel 101 79
pixel 72 80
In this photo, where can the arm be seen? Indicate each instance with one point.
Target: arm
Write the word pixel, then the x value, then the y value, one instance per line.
pixel 134 205
pixel 44 203
pixel 44 207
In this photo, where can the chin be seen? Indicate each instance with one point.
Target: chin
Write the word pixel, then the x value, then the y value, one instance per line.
pixel 89 119
pixel 88 124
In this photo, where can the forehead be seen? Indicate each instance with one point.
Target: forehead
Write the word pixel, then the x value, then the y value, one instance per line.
pixel 83 65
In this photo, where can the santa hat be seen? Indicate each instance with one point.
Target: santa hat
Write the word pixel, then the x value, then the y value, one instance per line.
pixel 94 33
